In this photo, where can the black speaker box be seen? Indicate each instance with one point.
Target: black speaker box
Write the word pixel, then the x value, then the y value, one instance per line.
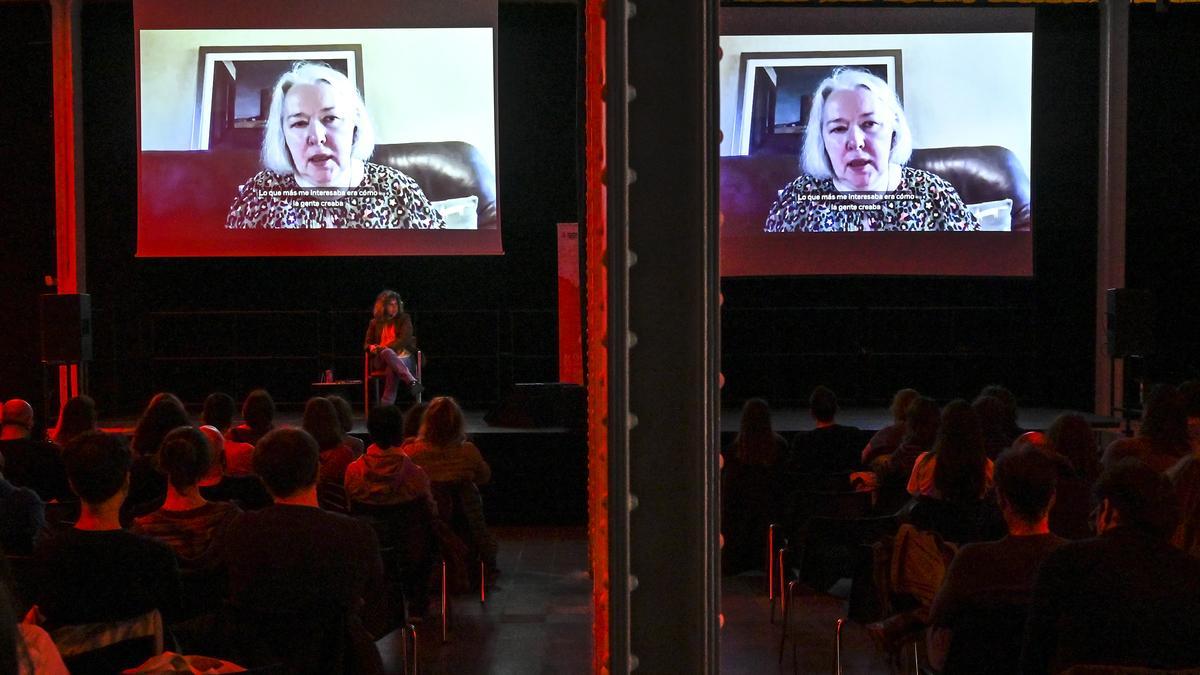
pixel 1130 322
pixel 66 327
pixel 533 405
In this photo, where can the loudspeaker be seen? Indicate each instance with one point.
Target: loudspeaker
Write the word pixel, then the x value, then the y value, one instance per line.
pixel 541 404
pixel 1130 322
pixel 66 327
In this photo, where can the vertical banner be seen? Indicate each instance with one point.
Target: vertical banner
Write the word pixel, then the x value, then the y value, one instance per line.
pixel 570 330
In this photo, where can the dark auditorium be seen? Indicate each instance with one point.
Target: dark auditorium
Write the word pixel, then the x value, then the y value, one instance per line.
pixel 399 337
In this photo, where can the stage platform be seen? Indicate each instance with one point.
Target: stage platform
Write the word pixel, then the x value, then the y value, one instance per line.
pixel 539 476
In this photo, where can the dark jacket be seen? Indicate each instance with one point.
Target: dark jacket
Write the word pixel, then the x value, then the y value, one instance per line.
pixel 1123 598
pixel 405 340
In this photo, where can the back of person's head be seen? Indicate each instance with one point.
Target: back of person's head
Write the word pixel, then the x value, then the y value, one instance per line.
pixel 320 419
pixel 997 420
pixel 164 413
pixel 900 402
pixel 1025 480
pixel 755 443
pixel 960 472
pixel 442 425
pixel 413 417
pixel 386 426
pixel 97 465
pixel 1002 393
pixel 345 413
pixel 259 410
pixel 1164 422
pixel 287 461
pixel 1143 498
pixel 78 415
pixel 1070 436
pixel 185 457
pixel 219 409
pixel 921 421
pixel 822 402
pixel 18 413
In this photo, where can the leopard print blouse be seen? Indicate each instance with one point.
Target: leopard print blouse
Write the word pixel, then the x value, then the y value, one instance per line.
pixel 921 202
pixel 386 199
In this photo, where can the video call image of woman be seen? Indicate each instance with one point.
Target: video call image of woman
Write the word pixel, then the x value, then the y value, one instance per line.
pixel 856 143
pixel 316 173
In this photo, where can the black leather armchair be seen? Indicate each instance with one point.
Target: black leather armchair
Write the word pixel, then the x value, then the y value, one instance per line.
pixel 445 170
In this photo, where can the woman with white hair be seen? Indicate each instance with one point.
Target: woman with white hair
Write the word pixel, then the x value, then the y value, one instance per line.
pixel 316 174
pixel 856 144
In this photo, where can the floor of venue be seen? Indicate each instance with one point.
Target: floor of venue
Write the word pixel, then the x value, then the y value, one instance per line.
pixel 538 620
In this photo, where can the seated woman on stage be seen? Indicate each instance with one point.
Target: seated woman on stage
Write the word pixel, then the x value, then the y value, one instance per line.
pixel 391 344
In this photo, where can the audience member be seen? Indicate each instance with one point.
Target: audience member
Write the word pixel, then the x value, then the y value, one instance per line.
pixel 1070 439
pixel 385 475
pixel 447 456
pixel 886 440
pixel 321 422
pixel 97 572
pixel 1010 403
pixel 219 409
pixel 1162 438
pixel 22 517
pixel 345 415
pixel 258 413
pixel 78 415
pixel 996 578
pixel 29 462
pixel 828 448
pixel 1190 391
pixel 752 489
pixel 413 418
pixel 1126 597
pixel 921 421
pixel 1185 478
pixel 293 564
pixel 25 648
pixel 187 522
pixel 957 468
pixel 997 422
pixel 148 487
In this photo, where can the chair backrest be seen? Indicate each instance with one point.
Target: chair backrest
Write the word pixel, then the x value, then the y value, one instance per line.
pixel 331 496
pixel 316 640
pixel 110 646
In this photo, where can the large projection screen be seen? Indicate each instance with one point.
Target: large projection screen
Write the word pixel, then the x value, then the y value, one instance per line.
pixel 206 91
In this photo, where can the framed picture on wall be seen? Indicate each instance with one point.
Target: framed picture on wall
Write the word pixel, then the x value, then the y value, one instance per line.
pixel 235 83
pixel 777 92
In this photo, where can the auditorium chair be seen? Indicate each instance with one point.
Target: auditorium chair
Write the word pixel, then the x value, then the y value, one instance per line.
pixel 373 380
pixel 187 182
pixel 980 174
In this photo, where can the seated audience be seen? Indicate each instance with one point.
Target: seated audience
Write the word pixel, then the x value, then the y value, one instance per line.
pixel 1070 439
pixel 1126 597
pixel 828 448
pixel 957 468
pixel 990 577
pixel 345 415
pixel 78 415
pixel 187 522
pixel 1162 439
pixel 921 421
pixel 321 422
pixel 1185 478
pixel 234 456
pixel 385 475
pixel 258 413
pixel 886 440
pixel 30 462
pixel 998 422
pixel 148 487
pixel 293 564
pixel 752 489
pixel 22 517
pixel 447 456
pixel 97 572
pixel 413 418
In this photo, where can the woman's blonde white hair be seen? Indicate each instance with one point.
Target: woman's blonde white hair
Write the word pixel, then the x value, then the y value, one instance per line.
pixel 814 161
pixel 275 155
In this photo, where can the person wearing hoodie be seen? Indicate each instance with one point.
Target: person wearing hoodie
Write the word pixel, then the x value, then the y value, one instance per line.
pixel 384 475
